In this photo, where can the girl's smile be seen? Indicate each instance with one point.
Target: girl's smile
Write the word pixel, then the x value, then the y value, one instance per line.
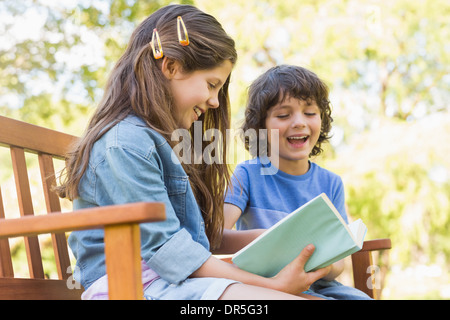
pixel 196 92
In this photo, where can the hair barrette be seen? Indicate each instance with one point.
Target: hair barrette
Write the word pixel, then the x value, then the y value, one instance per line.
pixel 157 52
pixel 180 23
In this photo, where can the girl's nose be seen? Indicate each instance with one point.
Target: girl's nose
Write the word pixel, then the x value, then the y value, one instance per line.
pixel 213 102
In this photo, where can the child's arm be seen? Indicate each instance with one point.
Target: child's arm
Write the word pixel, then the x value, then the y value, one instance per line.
pixel 336 270
pixel 233 241
pixel 291 279
pixel 231 214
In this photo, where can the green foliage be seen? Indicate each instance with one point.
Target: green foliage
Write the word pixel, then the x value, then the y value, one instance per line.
pixel 47 254
pixel 410 210
pixel 59 62
pixel 392 52
pixel 402 190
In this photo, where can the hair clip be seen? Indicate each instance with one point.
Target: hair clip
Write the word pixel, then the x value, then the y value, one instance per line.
pixel 157 52
pixel 184 42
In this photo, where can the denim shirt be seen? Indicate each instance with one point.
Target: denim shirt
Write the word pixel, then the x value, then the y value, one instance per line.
pixel 132 163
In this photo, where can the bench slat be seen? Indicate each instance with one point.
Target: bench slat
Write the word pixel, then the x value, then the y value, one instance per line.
pixel 53 205
pixel 6 267
pixel 39 289
pixel 26 209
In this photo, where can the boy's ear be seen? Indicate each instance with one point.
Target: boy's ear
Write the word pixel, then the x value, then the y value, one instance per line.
pixel 170 67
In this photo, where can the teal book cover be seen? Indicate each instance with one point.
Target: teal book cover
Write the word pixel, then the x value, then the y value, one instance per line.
pixel 317 222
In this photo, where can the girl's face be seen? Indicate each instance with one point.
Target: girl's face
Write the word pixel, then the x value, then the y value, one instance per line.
pixel 298 123
pixel 196 92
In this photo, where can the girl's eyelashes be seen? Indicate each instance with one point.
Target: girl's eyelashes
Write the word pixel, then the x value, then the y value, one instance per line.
pixel 212 86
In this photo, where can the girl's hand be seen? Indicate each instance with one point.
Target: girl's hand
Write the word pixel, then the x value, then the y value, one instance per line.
pixel 293 278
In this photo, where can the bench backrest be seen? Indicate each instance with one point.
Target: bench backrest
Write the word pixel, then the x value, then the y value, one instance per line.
pixel 45 144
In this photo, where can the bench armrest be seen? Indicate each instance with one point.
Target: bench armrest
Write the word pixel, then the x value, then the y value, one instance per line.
pixel 91 218
pixel 364 275
pixel 122 238
pixel 377 244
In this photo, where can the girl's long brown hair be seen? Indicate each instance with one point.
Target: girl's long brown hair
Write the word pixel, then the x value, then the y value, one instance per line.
pixel 137 85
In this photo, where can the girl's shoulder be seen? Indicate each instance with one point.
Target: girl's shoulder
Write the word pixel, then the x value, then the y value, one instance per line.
pixel 131 134
pixel 135 132
pixel 133 129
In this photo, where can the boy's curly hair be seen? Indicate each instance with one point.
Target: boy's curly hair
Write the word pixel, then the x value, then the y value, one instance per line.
pixel 275 86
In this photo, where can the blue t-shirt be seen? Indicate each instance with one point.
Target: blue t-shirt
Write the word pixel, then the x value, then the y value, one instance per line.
pixel 265 199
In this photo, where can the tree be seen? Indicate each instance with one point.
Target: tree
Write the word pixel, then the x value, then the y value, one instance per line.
pixel 55 57
pixel 401 190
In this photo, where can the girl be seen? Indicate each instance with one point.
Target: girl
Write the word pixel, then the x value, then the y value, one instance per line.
pixel 294 102
pixel 174 71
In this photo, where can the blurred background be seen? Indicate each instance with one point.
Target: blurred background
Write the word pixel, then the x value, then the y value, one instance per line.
pixel 387 64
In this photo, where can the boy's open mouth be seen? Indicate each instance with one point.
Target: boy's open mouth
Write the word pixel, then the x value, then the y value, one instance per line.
pixel 298 139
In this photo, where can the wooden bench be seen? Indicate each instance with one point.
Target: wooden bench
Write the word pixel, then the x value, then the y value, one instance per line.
pixel 365 272
pixel 121 225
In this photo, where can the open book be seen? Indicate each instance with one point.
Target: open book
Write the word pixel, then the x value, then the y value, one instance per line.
pixel 317 222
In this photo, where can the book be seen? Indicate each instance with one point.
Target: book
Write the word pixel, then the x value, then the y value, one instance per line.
pixel 317 222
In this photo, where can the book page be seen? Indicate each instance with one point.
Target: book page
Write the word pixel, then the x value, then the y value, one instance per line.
pixel 358 229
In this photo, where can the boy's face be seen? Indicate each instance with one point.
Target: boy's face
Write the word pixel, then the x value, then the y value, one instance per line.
pixel 298 123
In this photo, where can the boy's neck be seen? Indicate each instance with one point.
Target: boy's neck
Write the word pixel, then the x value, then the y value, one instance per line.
pixel 295 168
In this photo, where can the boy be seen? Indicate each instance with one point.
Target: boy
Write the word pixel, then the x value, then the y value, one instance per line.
pixel 294 102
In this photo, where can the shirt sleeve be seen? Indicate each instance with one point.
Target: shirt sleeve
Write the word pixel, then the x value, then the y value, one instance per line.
pixel 238 191
pixel 166 247
pixel 339 199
